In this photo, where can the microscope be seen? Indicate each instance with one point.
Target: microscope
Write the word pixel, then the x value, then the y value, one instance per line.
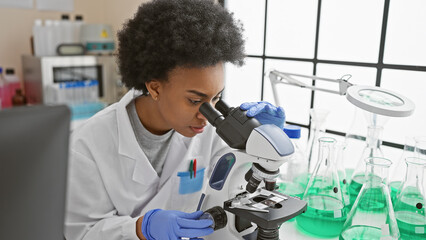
pixel 241 190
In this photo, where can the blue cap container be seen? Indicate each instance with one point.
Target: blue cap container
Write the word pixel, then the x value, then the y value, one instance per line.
pixel 292 131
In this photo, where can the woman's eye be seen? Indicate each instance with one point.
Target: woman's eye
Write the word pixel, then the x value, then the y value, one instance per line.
pixel 195 102
pixel 215 99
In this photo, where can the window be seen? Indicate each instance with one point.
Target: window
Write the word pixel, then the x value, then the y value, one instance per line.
pixel 378 42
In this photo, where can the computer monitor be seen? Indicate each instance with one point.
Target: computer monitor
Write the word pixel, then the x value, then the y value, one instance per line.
pixel 33 170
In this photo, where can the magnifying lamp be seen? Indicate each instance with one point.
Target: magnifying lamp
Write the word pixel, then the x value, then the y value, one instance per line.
pixel 373 99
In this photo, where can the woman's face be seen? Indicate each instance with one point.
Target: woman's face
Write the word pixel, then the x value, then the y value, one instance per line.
pixel 180 98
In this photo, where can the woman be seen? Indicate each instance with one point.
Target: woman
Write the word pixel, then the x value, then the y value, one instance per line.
pixel 127 162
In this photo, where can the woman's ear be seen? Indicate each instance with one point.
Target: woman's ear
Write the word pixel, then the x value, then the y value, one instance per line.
pixel 153 88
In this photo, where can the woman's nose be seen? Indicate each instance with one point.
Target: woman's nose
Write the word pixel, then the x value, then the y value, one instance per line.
pixel 201 116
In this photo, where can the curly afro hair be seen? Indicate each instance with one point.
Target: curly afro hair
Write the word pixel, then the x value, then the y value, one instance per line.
pixel 165 34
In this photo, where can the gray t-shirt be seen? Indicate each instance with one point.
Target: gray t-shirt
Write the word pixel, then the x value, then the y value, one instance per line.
pixel 154 146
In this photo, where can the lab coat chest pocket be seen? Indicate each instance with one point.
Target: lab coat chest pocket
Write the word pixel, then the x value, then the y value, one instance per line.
pixel 188 185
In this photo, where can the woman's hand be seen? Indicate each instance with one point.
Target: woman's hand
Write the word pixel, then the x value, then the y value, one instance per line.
pixel 265 113
pixel 169 224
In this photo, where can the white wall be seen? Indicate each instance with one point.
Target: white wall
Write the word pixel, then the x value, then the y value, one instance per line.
pixel 16 24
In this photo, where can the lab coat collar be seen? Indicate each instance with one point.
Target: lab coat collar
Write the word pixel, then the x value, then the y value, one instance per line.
pixel 127 143
pixel 128 147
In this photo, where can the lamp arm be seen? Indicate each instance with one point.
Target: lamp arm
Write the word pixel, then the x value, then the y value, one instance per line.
pixel 277 77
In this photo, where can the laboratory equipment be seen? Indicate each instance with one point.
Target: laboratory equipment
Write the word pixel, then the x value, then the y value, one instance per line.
pixel 4 91
pixel 243 180
pixel 410 202
pixel 380 103
pixel 372 149
pixel 318 119
pixel 420 147
pixel 97 38
pixel 372 215
pixel 42 72
pixel 33 172
pixel 399 168
pixel 217 215
pixel 326 211
pixel 296 166
pixel 341 171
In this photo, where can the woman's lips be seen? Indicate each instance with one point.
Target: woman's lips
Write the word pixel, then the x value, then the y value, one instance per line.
pixel 197 129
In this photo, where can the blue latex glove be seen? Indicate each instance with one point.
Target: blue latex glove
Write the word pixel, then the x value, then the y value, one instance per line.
pixel 265 113
pixel 160 224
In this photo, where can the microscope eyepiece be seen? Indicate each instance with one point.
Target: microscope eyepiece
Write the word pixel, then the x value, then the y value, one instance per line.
pixel 223 108
pixel 232 124
pixel 211 114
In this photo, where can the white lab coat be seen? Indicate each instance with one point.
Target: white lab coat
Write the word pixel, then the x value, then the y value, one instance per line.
pixel 112 183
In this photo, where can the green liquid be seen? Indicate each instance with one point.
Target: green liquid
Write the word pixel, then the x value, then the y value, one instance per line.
pixel 349 172
pixel 394 187
pixel 411 225
pixel 344 186
pixel 324 216
pixel 373 200
pixel 303 179
pixel 291 189
pixel 409 199
pixel 355 187
pixel 360 232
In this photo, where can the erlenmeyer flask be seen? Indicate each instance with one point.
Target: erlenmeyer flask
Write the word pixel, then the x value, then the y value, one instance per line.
pixel 410 203
pixel 420 147
pixel 372 215
pixel 344 183
pixel 318 118
pixel 296 166
pixel 372 149
pixel 326 210
pixel 355 136
pixel 399 168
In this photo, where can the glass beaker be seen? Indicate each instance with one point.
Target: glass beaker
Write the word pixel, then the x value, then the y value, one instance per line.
pixel 372 149
pixel 399 168
pixel 410 202
pixel 344 182
pixel 372 215
pixel 296 166
pixel 326 210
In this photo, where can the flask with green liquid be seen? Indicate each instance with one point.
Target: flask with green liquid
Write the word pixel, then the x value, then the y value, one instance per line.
pixel 326 210
pixel 410 202
pixel 372 149
pixel 372 215
pixel 296 166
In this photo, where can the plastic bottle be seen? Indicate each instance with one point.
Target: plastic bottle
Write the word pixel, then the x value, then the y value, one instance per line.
pixel 19 99
pixel 3 91
pixel 67 29
pixel 50 41
pixel 12 82
pixel 78 22
pixel 39 38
